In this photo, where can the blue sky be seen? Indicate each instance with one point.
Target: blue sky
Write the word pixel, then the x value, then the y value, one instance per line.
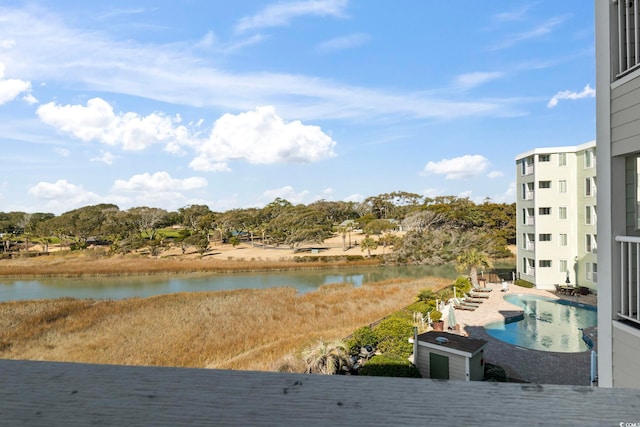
pixel 232 104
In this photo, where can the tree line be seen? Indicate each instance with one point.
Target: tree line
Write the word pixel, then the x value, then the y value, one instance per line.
pixel 436 229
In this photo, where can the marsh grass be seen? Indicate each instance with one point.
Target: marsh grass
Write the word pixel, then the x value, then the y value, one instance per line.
pixel 89 263
pixel 245 329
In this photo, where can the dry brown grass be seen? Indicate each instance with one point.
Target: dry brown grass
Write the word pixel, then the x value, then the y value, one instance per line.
pixel 78 264
pixel 243 329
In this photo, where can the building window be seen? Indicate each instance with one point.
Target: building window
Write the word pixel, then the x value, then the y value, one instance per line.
pixel 528 241
pixel 562 159
pixel 591 243
pixel 529 266
pixel 544 184
pixel 589 159
pixel 527 166
pixel 591 272
pixel 562 186
pixel 544 211
pixel 544 237
pixel 562 212
pixel 544 157
pixel 527 191
pixel 562 264
pixel 587 215
pixel 545 263
pixel 588 190
pixel 563 239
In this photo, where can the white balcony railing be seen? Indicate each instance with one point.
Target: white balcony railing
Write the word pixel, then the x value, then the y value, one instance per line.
pixel 629 278
pixel 530 246
pixel 528 195
pixel 530 220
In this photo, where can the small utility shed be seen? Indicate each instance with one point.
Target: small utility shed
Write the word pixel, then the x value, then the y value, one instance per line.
pixel 443 355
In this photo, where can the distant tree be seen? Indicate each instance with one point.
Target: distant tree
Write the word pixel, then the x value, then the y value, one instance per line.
pixel 200 241
pixel 147 220
pixel 299 224
pixel 378 226
pixel 368 244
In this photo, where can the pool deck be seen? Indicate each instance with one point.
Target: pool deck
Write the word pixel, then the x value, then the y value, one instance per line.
pixel 523 364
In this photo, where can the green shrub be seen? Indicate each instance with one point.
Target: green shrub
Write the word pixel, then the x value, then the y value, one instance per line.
pixel 390 366
pixel 393 335
pixel 361 337
pixel 462 285
pixel 426 295
pixel 436 315
pixel 524 283
pixel 421 307
pixel 494 373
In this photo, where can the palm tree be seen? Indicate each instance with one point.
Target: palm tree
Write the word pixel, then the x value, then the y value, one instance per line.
pixel 368 244
pixel 470 260
pixel 326 358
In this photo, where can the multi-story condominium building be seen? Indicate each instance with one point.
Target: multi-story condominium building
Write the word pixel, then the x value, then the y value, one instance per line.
pixel 618 143
pixel 556 216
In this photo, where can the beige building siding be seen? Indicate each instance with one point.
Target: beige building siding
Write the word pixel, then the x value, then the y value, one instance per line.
pixel 562 252
pixel 626 366
pixel 422 361
pixel 625 116
pixel 457 364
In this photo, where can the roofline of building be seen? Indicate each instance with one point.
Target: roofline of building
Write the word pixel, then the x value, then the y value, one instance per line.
pixel 551 150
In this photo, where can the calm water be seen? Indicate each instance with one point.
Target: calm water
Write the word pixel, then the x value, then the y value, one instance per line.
pixel 145 286
pixel 547 325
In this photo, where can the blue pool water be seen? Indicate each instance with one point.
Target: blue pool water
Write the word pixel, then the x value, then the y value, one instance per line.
pixel 546 324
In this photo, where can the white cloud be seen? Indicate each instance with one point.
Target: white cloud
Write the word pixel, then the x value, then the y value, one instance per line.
pixel 509 196
pixel 471 80
pixel 465 194
pixel 341 43
pixel 459 167
pixel 541 30
pixel 62 152
pixel 280 14
pixel 327 191
pixel 30 99
pixel 62 196
pixel 10 89
pixel 7 43
pixel 357 198
pixel 587 92
pixel 287 193
pixel 432 192
pixel 495 174
pixel 98 122
pixel 159 182
pixel 175 74
pixel 261 137
pixel 105 157
pixel 516 15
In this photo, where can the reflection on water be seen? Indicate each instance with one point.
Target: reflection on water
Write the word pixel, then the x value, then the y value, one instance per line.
pixel 144 286
pixel 546 325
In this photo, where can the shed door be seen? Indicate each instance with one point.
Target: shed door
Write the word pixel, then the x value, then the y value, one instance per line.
pixel 439 366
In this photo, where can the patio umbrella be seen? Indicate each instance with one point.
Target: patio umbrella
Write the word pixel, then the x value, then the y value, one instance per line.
pixel 452 317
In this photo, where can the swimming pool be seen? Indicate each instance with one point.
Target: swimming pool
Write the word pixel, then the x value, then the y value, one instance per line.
pixel 546 324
